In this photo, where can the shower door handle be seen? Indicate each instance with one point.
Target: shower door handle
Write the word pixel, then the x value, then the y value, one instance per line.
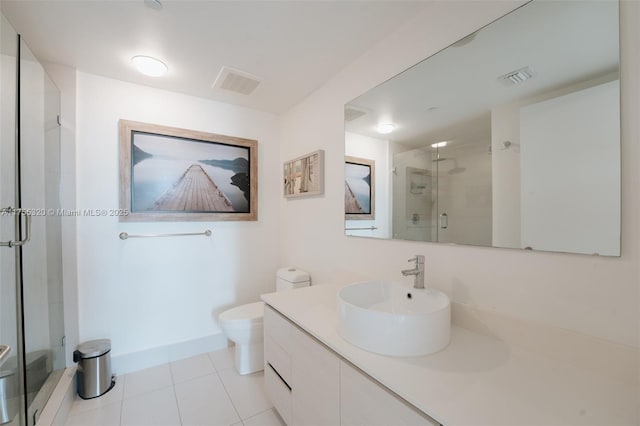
pixel 444 221
pixel 27 238
pixel 4 352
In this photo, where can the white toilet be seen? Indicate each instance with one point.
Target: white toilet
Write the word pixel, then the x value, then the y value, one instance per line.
pixel 244 324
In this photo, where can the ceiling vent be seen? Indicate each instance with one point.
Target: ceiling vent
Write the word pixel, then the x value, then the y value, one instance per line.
pixel 351 113
pixel 464 41
pixel 517 76
pixel 154 4
pixel 236 81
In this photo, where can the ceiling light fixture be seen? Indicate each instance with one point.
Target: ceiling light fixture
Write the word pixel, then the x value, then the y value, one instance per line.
pixel 149 66
pixel 439 144
pixel 385 128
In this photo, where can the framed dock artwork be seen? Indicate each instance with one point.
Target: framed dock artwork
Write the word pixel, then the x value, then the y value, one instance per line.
pixel 359 188
pixel 304 176
pixel 172 174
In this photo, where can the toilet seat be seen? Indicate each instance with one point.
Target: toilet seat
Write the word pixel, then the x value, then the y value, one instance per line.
pixel 244 325
pixel 244 315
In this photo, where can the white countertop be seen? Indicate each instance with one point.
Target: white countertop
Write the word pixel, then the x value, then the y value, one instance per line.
pixel 476 380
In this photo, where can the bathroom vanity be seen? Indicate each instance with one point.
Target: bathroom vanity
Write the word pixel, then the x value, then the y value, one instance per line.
pixel 311 384
pixel 314 376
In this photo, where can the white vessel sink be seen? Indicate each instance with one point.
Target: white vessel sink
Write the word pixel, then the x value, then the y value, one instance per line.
pixel 394 319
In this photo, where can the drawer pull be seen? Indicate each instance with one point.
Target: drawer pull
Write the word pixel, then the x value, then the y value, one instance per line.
pixel 278 374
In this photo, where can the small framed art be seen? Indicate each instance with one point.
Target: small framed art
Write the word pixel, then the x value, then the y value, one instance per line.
pixel 304 176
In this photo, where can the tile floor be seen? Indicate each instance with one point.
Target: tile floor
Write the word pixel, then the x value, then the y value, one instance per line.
pixel 203 390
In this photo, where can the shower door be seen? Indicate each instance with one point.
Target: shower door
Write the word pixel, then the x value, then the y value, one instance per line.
pixel 12 402
pixel 31 309
pixel 464 193
pixel 41 258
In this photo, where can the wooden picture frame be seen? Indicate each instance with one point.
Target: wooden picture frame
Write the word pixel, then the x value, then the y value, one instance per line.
pixel 359 188
pixel 304 176
pixel 173 174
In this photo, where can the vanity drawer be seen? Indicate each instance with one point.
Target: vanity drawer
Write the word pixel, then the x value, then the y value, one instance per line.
pixel 278 392
pixel 278 358
pixel 278 328
pixel 364 402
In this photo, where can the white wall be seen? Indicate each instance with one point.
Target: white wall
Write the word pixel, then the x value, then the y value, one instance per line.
pixel 506 172
pixel 597 296
pixel 570 165
pixel 505 175
pixel 149 293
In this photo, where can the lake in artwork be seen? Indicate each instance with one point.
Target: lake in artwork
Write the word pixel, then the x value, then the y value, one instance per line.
pixel 188 175
pixel 358 179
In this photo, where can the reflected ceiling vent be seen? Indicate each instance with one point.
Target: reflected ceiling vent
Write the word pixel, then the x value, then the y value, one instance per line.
pixel 153 4
pixel 517 76
pixel 351 113
pixel 236 81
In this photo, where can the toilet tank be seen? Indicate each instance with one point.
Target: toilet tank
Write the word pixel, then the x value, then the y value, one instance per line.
pixel 290 278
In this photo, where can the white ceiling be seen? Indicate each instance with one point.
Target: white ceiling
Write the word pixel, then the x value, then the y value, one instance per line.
pixel 450 95
pixel 293 46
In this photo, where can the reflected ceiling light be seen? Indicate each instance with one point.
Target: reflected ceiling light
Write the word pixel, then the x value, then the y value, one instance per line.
pixel 385 128
pixel 439 144
pixel 149 66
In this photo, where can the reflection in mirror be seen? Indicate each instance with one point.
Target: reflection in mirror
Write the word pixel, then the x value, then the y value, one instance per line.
pixel 508 138
pixel 360 187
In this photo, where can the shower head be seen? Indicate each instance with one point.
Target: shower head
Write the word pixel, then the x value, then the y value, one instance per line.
pixel 456 170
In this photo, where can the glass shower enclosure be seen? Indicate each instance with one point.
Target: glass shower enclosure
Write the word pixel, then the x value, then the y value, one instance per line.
pixel 32 353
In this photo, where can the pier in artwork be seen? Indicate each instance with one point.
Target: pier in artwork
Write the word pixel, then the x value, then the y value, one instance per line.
pixel 351 204
pixel 194 191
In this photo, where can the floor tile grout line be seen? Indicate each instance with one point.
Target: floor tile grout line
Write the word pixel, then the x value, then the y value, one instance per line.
pixel 230 399
pixel 175 395
pixel 230 350
pixel 211 363
pixel 257 414
pixel 124 383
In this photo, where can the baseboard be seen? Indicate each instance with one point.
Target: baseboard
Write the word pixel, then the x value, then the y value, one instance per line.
pixel 127 363
pixel 57 408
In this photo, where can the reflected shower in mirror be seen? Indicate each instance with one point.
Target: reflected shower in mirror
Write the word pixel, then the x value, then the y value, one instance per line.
pixel 508 138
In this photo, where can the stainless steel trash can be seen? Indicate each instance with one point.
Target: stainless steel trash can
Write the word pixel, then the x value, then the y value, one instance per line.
pixel 9 394
pixel 93 375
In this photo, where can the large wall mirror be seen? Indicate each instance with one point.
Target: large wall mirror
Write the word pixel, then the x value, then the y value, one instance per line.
pixel 509 138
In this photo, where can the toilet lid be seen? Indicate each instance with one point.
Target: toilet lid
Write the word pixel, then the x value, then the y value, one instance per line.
pixel 251 312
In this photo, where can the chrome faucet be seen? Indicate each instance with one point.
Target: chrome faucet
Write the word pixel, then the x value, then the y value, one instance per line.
pixel 417 272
